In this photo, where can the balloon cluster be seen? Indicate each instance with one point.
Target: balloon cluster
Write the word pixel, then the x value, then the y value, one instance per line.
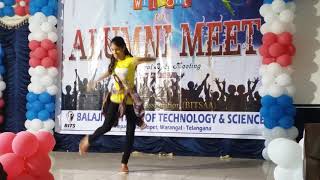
pixel 24 156
pixel 22 7
pixel 6 8
pixel 279 16
pixel 277 48
pixel 42 28
pixel 47 7
pixel 288 155
pixel 277 87
pixel 43 66
pixel 2 85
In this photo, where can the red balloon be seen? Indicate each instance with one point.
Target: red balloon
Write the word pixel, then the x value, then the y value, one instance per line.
pixel 32 55
pixel 25 176
pixel 285 38
pixel 1 103
pixel 34 62
pixel 19 10
pixel 38 164
pixel 284 60
pixel 268 60
pixel 46 142
pixel 269 38
pixel 6 139
pixel 53 54
pixel 12 164
pixel 33 45
pixel 292 50
pixel 47 44
pixel 276 50
pixel 25 144
pixel 40 53
pixel 263 50
pixel 47 176
pixel 47 62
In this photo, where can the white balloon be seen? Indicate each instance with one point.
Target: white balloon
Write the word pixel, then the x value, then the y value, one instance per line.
pixel 284 79
pixel 283 174
pixel 265 154
pixel 265 28
pixel 30 87
pixel 267 133
pixel 288 70
pixel 276 91
pixel 38 88
pixel 27 124
pixel 298 174
pixel 30 37
pixel 278 27
pixel 34 27
pixel 265 9
pixel 2 85
pixel 48 125
pixel 36 125
pixel 39 17
pixel 274 69
pixel 286 16
pixel 52 90
pixel 53 72
pixel 278 6
pixel 32 131
pixel 267 80
pixel 53 36
pixel 2 5
pixel 292 133
pixel 266 142
pixel 46 27
pixel 52 20
pixel 40 35
pixel 31 71
pixel 278 132
pixel 286 153
pixel 40 71
pixel 22 3
pixel 269 18
pixel 35 79
pixel 301 143
pixel 46 81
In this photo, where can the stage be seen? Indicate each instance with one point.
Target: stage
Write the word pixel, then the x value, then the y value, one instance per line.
pixel 104 166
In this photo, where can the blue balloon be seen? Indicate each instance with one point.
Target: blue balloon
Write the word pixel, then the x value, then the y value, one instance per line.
pixel 2 70
pixel 45 98
pixel 43 115
pixel 31 97
pixel 50 107
pixel 291 110
pixel 37 106
pixel 48 11
pixel 285 100
pixel 52 115
pixel 29 106
pixel 268 101
pixel 270 123
pixel 31 115
pixel 40 3
pixel 53 3
pixel 286 122
pixel 264 112
pixel 8 11
pixel 276 112
pixel 9 2
pixel 267 1
pixel 1 13
pixel 34 9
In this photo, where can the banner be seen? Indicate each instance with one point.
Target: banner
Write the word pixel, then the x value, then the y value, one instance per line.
pixel 203 84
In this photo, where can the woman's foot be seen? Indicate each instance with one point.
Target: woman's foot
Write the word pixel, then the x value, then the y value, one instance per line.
pixel 124 168
pixel 84 145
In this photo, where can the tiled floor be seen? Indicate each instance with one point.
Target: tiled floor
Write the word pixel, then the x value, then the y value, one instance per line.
pixel 104 166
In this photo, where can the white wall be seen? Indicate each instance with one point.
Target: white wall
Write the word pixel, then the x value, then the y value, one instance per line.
pixel 307 60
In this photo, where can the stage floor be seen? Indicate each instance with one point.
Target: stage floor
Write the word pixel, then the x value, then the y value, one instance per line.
pixel 104 166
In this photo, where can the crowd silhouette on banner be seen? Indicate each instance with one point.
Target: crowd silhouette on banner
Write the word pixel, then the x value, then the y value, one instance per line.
pixel 169 95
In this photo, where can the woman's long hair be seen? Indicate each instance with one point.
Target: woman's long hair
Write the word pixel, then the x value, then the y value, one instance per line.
pixel 119 42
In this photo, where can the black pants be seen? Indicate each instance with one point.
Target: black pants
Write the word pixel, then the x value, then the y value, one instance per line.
pixel 110 118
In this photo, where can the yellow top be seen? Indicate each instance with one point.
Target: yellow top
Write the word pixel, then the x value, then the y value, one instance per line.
pixel 125 70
